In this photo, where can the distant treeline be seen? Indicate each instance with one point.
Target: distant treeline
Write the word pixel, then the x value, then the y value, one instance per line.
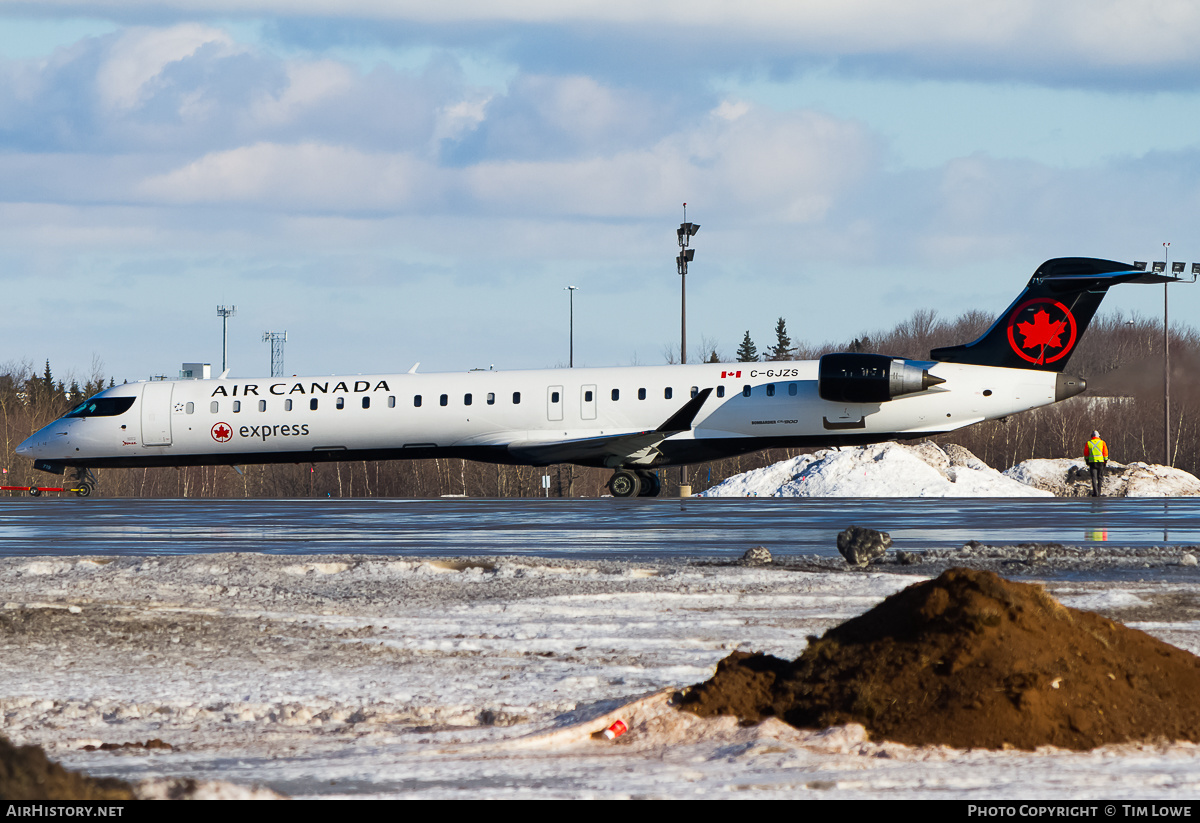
pixel 1120 357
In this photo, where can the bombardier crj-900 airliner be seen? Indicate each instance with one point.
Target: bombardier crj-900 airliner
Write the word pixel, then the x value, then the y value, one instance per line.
pixel 629 419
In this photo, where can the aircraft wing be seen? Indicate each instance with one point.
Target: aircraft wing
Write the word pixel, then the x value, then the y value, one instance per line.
pixel 614 448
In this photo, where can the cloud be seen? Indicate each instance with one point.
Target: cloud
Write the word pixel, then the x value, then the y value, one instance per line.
pixel 140 55
pixel 190 88
pixel 756 165
pixel 302 177
pixel 1071 42
pixel 548 117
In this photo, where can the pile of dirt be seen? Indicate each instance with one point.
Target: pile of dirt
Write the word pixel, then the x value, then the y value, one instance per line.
pixel 970 660
pixel 27 774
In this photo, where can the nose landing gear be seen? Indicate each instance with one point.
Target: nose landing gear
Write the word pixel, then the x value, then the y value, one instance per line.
pixel 85 482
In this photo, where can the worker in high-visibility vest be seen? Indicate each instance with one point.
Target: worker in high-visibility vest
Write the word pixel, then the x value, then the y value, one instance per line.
pixel 1095 452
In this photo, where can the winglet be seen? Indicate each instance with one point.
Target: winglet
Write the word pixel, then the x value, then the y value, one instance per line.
pixel 413 370
pixel 682 420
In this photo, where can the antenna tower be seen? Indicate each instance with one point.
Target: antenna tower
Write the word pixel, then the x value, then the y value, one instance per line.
pixel 225 312
pixel 276 339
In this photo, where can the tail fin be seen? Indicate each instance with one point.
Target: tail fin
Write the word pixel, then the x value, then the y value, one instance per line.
pixel 1042 327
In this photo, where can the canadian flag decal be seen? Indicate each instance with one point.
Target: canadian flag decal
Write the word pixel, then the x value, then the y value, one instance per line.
pixel 731 374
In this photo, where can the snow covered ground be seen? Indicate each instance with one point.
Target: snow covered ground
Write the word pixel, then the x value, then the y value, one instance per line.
pixel 929 470
pixel 398 677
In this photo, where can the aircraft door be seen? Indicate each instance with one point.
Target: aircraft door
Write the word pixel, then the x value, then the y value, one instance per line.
pixel 156 413
pixel 554 403
pixel 587 402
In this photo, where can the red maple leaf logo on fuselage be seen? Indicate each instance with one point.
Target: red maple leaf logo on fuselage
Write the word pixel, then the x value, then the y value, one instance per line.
pixel 1042 332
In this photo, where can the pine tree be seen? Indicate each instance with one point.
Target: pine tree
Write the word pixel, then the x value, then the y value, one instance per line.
pixel 783 343
pixel 714 358
pixel 747 352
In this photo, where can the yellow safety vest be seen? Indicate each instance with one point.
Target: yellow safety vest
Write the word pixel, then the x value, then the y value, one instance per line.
pixel 1097 450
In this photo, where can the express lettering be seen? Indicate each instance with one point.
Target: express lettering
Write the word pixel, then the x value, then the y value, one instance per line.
pixel 266 432
pixel 251 389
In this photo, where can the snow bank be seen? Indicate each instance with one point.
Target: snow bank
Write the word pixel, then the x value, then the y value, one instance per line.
pixel 929 470
pixel 1068 477
pixel 880 470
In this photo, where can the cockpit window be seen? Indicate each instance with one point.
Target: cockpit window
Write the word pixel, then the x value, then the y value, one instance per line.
pixel 102 407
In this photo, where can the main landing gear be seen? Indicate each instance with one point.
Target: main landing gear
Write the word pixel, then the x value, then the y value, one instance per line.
pixel 634 483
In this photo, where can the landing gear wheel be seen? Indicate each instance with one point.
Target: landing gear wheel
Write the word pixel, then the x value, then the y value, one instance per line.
pixel 651 485
pixel 34 491
pixel 625 484
pixel 85 482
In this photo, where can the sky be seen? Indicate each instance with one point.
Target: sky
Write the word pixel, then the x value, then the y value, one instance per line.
pixel 395 182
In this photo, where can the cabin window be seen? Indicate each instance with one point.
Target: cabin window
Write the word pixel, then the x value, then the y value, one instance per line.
pixel 553 397
pixel 587 398
pixel 237 406
pixel 792 389
pixel 516 397
pixel 444 400
pixel 720 391
pixel 695 390
pixel 616 394
pixel 491 401
pixel 312 404
pixel 391 401
pixel 189 408
pixel 214 406
pixel 641 394
pixel 262 405
pixel 287 404
pixel 417 401
pixel 745 391
pixel 770 390
pixel 667 392
pixel 366 402
pixel 340 403
pixel 466 399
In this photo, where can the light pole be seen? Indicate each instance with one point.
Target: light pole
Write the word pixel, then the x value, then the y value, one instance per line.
pixel 685 233
pixel 1176 276
pixel 572 290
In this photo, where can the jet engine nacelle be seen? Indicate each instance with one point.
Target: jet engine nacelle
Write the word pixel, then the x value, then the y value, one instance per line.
pixel 850 377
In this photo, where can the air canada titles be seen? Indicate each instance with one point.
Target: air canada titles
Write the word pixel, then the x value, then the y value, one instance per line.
pixel 279 389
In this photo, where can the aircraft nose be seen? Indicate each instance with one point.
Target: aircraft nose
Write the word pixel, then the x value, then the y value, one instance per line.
pixel 26 448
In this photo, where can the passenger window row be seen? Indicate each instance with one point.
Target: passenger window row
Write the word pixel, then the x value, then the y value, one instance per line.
pixel 468 399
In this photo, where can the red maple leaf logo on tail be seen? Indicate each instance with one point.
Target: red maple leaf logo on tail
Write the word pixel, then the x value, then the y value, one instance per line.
pixel 1042 332
pixel 1050 340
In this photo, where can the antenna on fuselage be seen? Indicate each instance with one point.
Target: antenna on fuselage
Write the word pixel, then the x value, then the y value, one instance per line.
pixel 413 370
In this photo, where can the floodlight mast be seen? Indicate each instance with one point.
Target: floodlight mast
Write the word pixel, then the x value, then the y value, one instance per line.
pixel 1176 276
pixel 685 233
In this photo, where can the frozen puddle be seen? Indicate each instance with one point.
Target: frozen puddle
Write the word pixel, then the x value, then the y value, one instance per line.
pixel 397 677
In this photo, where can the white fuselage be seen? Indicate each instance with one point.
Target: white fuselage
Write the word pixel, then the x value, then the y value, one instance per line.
pixel 504 416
